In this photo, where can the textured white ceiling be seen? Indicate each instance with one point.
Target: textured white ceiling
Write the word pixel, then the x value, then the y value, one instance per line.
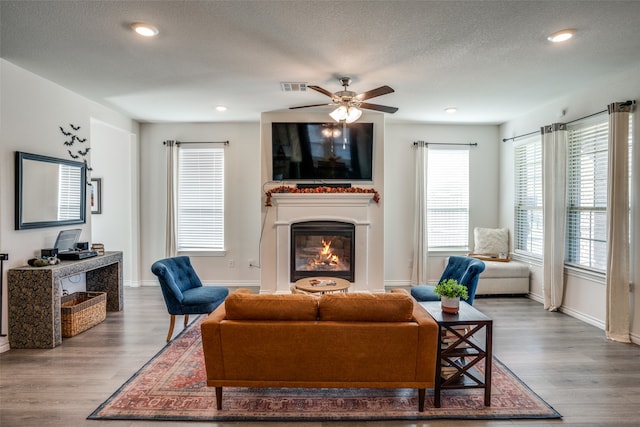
pixel 491 59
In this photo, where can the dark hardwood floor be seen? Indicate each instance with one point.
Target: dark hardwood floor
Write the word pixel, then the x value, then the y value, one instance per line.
pixel 591 381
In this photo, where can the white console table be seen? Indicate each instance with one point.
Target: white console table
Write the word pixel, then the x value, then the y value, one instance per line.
pixel 35 293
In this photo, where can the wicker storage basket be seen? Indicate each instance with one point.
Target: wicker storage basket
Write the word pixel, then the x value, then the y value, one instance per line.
pixel 81 311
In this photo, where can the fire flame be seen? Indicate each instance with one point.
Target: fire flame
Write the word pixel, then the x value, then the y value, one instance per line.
pixel 325 257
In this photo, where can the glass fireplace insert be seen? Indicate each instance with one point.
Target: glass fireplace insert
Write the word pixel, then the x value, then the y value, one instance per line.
pixel 322 248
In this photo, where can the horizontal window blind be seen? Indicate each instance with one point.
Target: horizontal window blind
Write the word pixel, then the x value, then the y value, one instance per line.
pixel 200 199
pixel 448 198
pixel 528 227
pixel 69 188
pixel 587 172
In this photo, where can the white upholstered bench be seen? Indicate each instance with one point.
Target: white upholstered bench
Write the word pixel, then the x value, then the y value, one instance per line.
pixel 504 278
pixel 499 278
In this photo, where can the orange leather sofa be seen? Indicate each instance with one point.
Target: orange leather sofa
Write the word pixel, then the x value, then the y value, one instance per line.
pixel 339 340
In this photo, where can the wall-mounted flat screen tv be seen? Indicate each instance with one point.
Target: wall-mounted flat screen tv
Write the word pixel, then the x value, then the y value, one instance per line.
pixel 322 151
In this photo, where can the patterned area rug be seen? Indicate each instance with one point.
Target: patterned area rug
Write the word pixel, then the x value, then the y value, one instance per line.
pixel 172 386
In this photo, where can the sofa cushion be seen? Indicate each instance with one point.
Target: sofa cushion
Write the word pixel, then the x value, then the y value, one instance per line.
pixel 245 306
pixel 364 307
pixel 490 241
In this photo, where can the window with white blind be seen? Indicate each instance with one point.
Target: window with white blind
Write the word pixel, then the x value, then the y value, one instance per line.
pixel 528 227
pixel 69 188
pixel 587 171
pixel 200 219
pixel 448 198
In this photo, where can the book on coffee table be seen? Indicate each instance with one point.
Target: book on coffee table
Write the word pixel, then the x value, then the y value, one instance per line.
pixel 322 282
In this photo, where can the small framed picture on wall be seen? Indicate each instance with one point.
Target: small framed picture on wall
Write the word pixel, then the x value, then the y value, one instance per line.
pixel 95 197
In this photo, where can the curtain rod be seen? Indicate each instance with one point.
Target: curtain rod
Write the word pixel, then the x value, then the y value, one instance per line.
pixel 198 142
pixel 513 138
pixel 472 144
pixel 629 102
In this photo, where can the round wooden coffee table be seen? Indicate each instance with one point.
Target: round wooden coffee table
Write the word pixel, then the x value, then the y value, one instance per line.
pixel 323 284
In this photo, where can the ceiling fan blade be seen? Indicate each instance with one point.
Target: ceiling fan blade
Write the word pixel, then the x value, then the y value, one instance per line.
pixel 312 105
pixel 382 90
pixel 322 91
pixel 383 108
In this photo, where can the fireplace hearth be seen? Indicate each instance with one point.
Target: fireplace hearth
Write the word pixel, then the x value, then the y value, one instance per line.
pixel 322 248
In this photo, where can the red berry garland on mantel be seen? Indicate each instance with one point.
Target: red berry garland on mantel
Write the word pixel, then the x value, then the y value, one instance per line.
pixel 317 190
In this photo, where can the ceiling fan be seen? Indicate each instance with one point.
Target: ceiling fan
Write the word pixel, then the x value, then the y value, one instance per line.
pixel 349 102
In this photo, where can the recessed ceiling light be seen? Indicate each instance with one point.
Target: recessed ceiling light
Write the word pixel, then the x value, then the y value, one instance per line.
pixel 221 108
pixel 143 29
pixel 561 36
pixel 451 110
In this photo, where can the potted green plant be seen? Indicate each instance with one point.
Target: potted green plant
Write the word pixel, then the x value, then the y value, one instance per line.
pixel 450 292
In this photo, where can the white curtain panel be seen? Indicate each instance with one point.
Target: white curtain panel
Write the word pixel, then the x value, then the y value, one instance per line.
pixel 171 245
pixel 554 164
pixel 617 321
pixel 420 271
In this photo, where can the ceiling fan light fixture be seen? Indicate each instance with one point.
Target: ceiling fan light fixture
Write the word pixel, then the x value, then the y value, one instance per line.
pixel 561 36
pixel 346 114
pixel 339 113
pixel 143 29
pixel 353 114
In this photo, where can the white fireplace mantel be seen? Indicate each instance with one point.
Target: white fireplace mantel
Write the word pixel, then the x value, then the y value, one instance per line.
pixel 291 208
pixel 322 199
pixel 347 207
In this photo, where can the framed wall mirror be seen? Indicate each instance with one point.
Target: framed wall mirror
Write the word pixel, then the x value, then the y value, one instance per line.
pixel 49 191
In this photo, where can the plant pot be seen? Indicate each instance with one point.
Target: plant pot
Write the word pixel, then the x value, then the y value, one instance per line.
pixel 450 304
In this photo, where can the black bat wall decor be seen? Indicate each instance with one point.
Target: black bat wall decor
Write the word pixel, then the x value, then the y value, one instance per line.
pixel 77 153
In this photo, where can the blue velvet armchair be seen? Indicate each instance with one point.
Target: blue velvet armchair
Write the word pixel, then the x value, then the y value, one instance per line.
pixel 465 270
pixel 183 291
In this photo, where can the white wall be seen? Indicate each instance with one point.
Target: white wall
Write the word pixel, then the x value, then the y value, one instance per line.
pixel 115 161
pixel 399 189
pixel 31 111
pixel 245 195
pixel 584 295
pixel 242 199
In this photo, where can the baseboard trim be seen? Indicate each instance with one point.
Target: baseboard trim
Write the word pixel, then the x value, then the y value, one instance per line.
pixel 225 283
pixel 573 313
pixel 581 316
pixel 396 284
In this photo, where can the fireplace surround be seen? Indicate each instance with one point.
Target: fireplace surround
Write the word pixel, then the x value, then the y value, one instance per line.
pixel 356 209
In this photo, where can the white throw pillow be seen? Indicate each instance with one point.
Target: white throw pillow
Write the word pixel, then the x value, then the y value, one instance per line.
pixel 491 241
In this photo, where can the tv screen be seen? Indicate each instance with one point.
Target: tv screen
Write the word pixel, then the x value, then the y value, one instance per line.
pixel 322 151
